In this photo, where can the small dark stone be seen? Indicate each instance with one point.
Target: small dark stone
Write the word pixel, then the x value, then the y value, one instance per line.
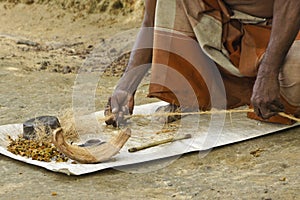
pixel 49 122
pixel 92 142
pixel 67 70
pixel 113 50
pixel 117 5
pixel 44 65
pixel 28 43
pixel 29 2
pixel 266 191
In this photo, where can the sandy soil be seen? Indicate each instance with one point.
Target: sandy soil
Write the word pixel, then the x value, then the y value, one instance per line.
pixel 44 46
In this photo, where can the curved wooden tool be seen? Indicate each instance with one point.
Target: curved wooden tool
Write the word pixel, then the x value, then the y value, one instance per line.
pixel 92 154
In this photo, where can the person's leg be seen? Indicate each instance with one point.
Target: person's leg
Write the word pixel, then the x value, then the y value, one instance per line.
pixel 175 76
pixel 290 80
pixel 181 72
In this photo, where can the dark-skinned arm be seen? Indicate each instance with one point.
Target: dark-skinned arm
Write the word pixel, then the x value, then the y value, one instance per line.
pixel 122 100
pixel 285 27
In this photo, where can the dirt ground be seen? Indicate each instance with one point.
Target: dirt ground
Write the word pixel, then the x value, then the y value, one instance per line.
pixel 44 46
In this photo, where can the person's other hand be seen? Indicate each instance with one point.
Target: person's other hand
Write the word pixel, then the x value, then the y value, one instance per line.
pixel 121 103
pixel 266 96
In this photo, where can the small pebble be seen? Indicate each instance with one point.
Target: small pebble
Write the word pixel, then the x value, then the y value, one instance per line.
pixel 282 179
pixel 67 70
pixel 53 194
pixel 44 65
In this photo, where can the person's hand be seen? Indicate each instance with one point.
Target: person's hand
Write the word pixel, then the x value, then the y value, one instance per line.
pixel 119 104
pixel 266 96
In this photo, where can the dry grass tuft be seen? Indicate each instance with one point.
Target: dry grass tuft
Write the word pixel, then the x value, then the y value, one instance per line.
pixel 67 123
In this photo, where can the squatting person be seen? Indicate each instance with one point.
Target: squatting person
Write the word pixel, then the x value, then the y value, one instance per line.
pixel 254 44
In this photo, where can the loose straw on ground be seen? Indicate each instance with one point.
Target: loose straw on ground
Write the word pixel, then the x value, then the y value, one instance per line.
pixel 199 113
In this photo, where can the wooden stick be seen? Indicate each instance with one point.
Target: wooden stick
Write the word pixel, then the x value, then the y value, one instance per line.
pixel 198 113
pixel 156 143
pixel 179 113
pixel 289 116
pixel 191 113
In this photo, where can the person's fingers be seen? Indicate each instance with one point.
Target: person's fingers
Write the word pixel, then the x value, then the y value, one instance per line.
pixel 274 108
pixel 269 114
pixel 118 107
pixel 120 115
pixel 115 123
pixel 271 109
pixel 107 112
pixel 256 110
pixel 260 110
pixel 265 112
pixel 118 119
pixel 125 110
pixel 107 109
pixel 114 105
pixel 279 105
